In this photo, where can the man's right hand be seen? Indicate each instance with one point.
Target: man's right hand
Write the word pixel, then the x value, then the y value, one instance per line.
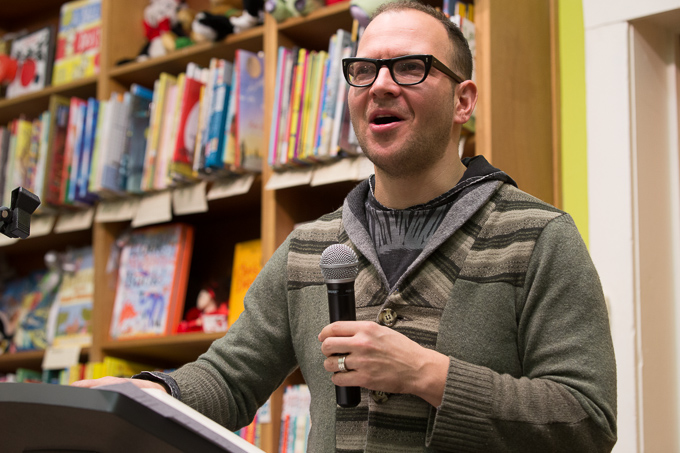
pixel 110 380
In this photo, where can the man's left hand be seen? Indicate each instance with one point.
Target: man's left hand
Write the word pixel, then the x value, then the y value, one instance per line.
pixel 379 358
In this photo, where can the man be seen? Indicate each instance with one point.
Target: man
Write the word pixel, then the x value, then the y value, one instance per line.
pixel 481 320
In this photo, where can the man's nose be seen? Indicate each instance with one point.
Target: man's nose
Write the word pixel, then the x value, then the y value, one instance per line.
pixel 383 82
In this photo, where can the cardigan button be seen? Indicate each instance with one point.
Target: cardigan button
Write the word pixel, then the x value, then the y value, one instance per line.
pixel 379 397
pixel 387 317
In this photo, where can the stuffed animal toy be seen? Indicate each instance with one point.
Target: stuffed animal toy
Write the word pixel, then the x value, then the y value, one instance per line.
pixel 222 20
pixel 283 9
pixel 179 35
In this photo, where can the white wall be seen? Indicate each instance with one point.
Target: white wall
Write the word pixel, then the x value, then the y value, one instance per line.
pixel 620 180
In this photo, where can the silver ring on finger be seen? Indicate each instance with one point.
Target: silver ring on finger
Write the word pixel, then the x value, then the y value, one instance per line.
pixel 341 364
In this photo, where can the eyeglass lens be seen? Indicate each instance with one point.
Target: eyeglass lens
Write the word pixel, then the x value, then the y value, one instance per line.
pixel 407 71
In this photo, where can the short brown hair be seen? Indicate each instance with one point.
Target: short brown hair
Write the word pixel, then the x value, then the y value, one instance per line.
pixel 462 58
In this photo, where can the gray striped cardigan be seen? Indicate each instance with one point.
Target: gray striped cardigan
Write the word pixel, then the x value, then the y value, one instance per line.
pixel 505 288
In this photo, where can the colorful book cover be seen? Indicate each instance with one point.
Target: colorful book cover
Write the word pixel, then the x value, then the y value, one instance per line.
pixel 250 123
pixel 312 109
pixel 11 303
pixel 152 277
pixel 114 366
pixel 247 264
pixel 114 131
pixel 43 150
pixel 4 150
pixel 210 75
pixel 95 170
pixel 297 99
pixel 168 139
pixel 72 323
pixel 83 195
pixel 284 121
pixel 31 333
pixel 181 165
pixel 229 155
pixel 9 169
pixel 214 152
pixel 60 108
pixel 276 108
pixel 135 144
pixel 74 130
pixel 78 41
pixel 77 153
pixel 25 156
pixel 156 123
pixel 34 53
pixel 334 85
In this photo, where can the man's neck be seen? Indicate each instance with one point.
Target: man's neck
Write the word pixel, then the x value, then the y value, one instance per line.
pixel 406 191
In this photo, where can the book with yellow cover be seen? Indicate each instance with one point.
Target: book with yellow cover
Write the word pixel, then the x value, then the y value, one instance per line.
pixel 247 264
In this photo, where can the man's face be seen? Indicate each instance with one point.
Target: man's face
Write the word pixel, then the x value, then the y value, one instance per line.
pixel 404 129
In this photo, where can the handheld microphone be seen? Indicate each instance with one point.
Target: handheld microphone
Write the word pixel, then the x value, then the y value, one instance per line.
pixel 340 266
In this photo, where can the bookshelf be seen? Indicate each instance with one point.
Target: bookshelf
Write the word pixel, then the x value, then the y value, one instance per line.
pixel 514 131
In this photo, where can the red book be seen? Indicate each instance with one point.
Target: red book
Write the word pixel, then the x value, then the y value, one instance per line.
pixel 187 126
pixel 73 129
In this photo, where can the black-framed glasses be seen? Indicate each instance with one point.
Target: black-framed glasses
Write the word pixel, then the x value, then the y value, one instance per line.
pixel 405 70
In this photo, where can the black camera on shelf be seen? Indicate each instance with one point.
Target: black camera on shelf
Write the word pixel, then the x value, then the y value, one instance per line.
pixel 15 221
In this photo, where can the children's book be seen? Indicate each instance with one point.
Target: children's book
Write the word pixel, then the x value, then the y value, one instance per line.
pixel 83 195
pixel 277 107
pixel 58 129
pixel 334 93
pixel 247 264
pixel 78 41
pixel 297 101
pixel 73 141
pixel 250 121
pixel 96 166
pixel 181 164
pixel 12 296
pixel 215 144
pixel 114 131
pixel 32 330
pixel 4 150
pixel 156 123
pixel 152 278
pixel 135 140
pixel 34 53
pixel 22 172
pixel 72 316
pixel 162 179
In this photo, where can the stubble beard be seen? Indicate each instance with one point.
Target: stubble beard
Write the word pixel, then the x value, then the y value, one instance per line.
pixel 418 153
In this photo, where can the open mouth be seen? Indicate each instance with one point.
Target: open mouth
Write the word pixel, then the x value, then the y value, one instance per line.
pixel 382 120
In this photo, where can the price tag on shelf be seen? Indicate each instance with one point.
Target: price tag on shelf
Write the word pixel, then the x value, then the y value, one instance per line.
pixel 116 210
pixel 189 199
pixel 74 221
pixel 340 170
pixel 223 188
pixel 153 208
pixel 4 240
pixel 57 358
pixel 290 178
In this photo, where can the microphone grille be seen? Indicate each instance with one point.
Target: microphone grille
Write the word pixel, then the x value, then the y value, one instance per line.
pixel 339 263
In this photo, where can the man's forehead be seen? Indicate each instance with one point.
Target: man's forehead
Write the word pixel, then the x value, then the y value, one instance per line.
pixel 406 31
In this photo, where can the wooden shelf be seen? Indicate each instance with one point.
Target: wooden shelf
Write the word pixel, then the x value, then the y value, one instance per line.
pixel 28 359
pixel 170 351
pixel 33 104
pixel 146 72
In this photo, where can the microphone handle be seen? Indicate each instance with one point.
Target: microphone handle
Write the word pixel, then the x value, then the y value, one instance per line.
pixel 342 307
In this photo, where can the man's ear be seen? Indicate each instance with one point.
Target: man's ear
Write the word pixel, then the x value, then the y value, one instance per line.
pixel 466 96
